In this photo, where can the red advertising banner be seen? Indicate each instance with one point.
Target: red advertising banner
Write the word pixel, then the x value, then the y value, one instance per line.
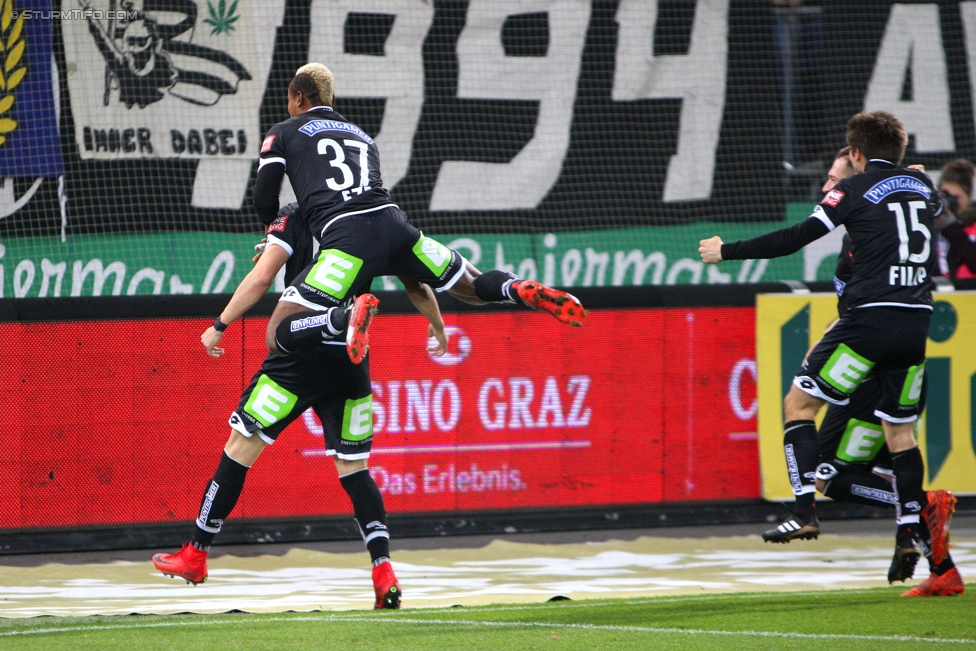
pixel 113 422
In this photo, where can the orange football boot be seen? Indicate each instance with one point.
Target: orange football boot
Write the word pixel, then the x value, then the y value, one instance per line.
pixel 357 336
pixel 947 585
pixel 562 305
pixel 189 563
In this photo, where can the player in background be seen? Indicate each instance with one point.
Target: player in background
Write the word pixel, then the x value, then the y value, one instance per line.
pixel 290 385
pixel 334 168
pixel 889 213
pixel 957 244
pixel 855 464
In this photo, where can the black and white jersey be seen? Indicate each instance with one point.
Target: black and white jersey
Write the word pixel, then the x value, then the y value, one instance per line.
pixel 889 213
pixel 333 166
pixel 290 231
pixel 844 272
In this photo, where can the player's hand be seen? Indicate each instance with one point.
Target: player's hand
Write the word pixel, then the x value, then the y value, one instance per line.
pixel 260 249
pixel 437 340
pixel 711 250
pixel 210 339
pixel 917 166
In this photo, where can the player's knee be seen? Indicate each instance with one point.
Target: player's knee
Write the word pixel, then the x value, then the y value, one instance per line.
pixel 464 290
pixel 271 337
pixel 346 467
pixel 821 485
pixel 899 436
pixel 243 449
pixel 799 405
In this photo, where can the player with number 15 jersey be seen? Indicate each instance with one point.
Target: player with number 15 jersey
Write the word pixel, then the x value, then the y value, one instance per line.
pixel 889 213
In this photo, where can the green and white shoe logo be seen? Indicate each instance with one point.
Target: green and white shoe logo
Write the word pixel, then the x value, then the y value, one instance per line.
pixel 433 254
pixel 270 402
pixel 357 419
pixel 845 369
pixel 334 273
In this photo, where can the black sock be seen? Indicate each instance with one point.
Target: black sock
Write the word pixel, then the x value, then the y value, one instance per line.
pixel 856 484
pixel 367 504
pixel 802 457
pixel 305 329
pixel 218 500
pixel 496 287
pixel 942 567
pixel 909 472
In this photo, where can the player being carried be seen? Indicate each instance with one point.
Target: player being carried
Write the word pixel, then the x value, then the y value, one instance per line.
pixel 889 213
pixel 334 168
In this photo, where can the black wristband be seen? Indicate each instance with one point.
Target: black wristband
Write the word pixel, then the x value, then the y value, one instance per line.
pixel 219 325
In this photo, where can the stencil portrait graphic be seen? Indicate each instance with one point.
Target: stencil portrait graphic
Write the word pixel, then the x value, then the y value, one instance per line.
pixel 149 53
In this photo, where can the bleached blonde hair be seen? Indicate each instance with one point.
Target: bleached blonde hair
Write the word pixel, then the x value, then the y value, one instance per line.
pixel 322 77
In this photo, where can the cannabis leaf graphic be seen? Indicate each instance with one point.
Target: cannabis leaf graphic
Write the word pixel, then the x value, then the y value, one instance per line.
pixel 222 19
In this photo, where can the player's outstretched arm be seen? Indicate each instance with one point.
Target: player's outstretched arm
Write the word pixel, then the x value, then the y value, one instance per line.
pixel 771 245
pixel 255 285
pixel 424 300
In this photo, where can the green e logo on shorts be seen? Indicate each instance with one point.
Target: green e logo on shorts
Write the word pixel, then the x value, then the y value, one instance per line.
pixel 334 273
pixel 845 369
pixel 911 392
pixel 861 441
pixel 433 254
pixel 270 402
pixel 357 419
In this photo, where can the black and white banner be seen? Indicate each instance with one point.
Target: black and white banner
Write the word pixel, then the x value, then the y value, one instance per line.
pixel 500 115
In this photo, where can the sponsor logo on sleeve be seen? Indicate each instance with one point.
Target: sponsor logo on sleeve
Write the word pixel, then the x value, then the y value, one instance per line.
pixel 278 225
pixel 267 144
pixel 833 198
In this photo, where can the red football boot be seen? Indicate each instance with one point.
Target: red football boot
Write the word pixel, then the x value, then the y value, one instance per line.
pixel 357 336
pixel 565 307
pixel 947 585
pixel 386 587
pixel 938 515
pixel 189 563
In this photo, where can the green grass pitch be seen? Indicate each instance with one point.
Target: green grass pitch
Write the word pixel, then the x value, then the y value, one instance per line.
pixel 853 619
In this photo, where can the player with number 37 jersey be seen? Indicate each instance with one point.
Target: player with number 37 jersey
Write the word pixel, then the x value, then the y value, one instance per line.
pixel 321 145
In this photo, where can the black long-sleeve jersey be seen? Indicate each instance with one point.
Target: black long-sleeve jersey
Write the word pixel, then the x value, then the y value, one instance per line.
pixel 844 272
pixel 333 166
pixel 889 214
pixel 290 231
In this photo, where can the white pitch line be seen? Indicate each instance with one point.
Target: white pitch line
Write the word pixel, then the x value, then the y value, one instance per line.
pixel 491 624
